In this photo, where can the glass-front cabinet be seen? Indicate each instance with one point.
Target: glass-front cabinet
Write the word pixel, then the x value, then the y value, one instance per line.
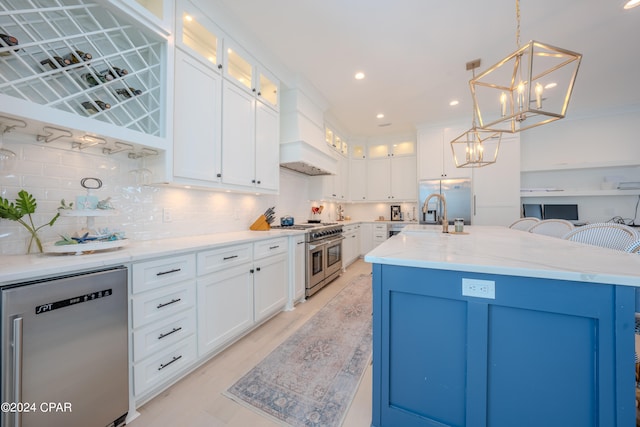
pixel 268 89
pixel 404 148
pixel 199 35
pixel 238 68
pixel 241 69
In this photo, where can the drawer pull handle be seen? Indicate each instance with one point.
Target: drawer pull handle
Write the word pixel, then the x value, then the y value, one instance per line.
pixel 169 333
pixel 164 365
pixel 229 257
pixel 274 247
pixel 173 301
pixel 162 273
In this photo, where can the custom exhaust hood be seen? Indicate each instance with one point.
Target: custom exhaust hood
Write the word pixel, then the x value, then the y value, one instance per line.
pixel 302 145
pixel 303 157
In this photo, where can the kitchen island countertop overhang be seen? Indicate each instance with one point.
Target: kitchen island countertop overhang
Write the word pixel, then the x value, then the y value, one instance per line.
pixel 504 251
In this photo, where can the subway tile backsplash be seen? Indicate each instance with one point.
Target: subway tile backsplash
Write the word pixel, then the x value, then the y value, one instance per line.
pixel 143 212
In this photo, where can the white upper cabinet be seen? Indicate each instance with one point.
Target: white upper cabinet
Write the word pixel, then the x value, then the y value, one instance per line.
pixel 83 65
pixel 198 35
pixel 391 171
pixel 250 141
pixel 268 88
pixel 226 132
pixel 238 66
pixel 196 142
pixel 238 136
pixel 267 148
pixel 358 173
pixel 241 69
pixel 435 158
pixel 496 187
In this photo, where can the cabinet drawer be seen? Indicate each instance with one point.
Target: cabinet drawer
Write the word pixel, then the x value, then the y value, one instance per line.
pixel 380 227
pixel 153 274
pixel 157 305
pixel 162 366
pixel 350 228
pixel 159 335
pixel 380 237
pixel 219 259
pixel 267 248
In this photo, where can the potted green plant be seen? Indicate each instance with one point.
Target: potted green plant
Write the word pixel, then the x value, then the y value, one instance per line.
pixel 25 204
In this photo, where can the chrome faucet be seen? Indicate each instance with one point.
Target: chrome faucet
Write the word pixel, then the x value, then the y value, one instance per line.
pixel 425 208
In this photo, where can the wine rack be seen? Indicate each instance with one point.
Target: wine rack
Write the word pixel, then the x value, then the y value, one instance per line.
pixel 51 29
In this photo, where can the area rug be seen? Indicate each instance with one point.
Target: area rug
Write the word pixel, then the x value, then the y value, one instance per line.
pixel 312 377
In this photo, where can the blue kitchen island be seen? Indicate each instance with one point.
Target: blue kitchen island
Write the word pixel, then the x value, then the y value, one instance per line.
pixel 502 328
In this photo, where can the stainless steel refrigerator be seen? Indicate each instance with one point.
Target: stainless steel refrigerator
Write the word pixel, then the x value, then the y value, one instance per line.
pixel 64 351
pixel 457 193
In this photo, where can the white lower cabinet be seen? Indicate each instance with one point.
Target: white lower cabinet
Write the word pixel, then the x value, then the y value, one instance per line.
pixel 186 308
pixel 225 307
pixel 270 286
pixel 163 318
pixel 297 269
pixel 163 365
pixel 239 286
pixel 366 238
pixel 350 244
pixel 380 233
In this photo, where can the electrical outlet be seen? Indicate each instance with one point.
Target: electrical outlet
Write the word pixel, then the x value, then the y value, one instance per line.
pixel 479 288
pixel 166 215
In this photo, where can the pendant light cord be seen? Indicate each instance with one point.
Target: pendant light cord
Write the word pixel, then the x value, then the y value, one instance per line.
pixel 518 23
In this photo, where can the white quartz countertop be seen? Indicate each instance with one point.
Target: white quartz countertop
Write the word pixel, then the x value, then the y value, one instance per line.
pixel 17 268
pixel 500 250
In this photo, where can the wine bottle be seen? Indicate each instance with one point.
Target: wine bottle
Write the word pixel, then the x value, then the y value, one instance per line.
pixel 77 56
pixel 9 41
pixel 62 62
pixel 119 72
pixel 127 93
pixel 102 78
pixel 91 108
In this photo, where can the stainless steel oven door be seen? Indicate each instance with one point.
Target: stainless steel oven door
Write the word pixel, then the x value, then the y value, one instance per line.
pixel 316 254
pixel 334 257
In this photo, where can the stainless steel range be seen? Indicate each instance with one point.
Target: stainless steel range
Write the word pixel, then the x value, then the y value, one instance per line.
pixel 324 253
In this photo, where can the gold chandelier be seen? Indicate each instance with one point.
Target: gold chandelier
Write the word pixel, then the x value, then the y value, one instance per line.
pixel 476 147
pixel 528 88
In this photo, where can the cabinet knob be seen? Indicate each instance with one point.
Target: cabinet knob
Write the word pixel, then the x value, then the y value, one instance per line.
pixel 251 271
pixel 258 269
pixel 219 175
pixel 219 66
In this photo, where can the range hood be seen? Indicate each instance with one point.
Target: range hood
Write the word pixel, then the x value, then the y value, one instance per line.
pixel 303 157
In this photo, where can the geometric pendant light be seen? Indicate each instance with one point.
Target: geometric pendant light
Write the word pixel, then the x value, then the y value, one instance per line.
pixel 530 87
pixel 476 147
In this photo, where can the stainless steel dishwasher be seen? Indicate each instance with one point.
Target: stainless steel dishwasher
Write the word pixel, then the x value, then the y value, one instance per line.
pixel 64 351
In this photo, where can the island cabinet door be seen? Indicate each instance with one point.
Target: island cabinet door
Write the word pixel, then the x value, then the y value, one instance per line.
pixel 537 352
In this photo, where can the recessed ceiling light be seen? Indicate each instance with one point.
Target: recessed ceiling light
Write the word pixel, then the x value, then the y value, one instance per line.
pixel 631 4
pixel 188 18
pixel 359 75
pixel 454 103
pixel 380 116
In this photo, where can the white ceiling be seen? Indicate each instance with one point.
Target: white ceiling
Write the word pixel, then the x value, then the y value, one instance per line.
pixel 413 52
